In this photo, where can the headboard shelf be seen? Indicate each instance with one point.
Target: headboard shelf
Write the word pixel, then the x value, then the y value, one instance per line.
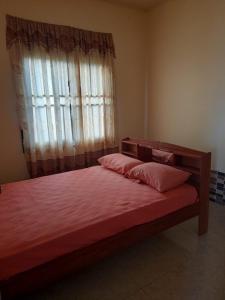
pixel 130 153
pixel 193 161
pixel 175 149
pixel 129 147
pixel 192 170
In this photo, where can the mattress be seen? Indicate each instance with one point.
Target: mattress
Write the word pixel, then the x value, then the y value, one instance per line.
pixel 44 218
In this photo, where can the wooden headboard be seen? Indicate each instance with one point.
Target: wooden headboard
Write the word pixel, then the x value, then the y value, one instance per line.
pixel 194 161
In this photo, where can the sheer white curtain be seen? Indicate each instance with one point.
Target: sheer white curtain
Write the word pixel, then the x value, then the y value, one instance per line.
pixel 65 104
pixel 48 110
pixel 92 93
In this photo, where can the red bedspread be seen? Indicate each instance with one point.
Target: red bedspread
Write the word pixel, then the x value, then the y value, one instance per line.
pixel 46 217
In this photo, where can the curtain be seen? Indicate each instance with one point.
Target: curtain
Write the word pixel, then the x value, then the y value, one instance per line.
pixel 64 81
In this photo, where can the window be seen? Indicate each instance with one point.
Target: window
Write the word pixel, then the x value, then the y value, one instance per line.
pixel 65 97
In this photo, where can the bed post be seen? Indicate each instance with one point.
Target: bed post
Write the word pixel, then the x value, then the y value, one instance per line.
pixel 205 169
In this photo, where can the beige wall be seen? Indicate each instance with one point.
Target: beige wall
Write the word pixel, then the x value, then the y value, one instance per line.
pixel 127 26
pixel 186 94
pixel 184 41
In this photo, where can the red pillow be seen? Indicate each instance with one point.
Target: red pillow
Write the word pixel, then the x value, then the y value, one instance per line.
pixel 163 156
pixel 118 162
pixel 160 177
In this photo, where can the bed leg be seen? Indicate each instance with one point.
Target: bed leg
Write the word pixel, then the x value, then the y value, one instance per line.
pixel 203 223
pixel 204 194
pixel 203 218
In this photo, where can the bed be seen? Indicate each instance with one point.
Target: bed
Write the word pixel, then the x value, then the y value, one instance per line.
pixel 54 225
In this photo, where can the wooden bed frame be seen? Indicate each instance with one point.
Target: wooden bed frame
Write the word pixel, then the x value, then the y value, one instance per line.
pixel 196 162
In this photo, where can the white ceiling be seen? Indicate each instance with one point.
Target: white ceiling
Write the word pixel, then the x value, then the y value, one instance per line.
pixel 141 4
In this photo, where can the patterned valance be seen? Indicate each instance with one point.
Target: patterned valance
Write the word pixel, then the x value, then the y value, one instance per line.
pixel 49 36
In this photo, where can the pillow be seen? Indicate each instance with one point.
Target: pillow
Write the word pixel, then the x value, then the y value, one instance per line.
pixel 163 156
pixel 118 162
pixel 161 177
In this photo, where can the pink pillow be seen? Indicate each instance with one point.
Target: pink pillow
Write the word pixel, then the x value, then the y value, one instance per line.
pixel 163 156
pixel 160 177
pixel 118 162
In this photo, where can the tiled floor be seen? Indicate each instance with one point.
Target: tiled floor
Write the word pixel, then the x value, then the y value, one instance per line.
pixel 177 264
